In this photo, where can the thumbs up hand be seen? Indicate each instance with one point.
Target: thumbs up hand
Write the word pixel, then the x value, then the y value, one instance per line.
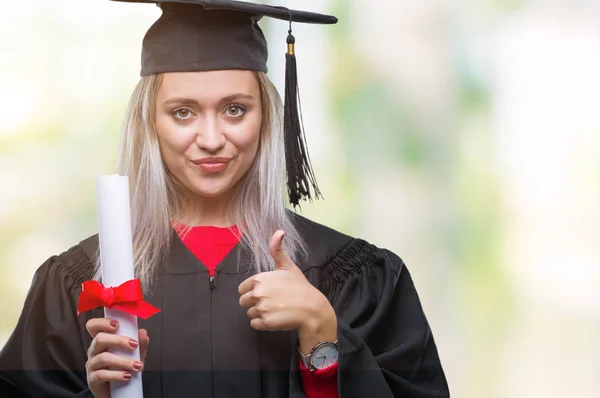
pixel 285 300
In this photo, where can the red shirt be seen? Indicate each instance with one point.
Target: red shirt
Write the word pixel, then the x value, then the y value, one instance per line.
pixel 211 245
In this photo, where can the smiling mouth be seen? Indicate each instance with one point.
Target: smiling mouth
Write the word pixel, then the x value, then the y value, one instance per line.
pixel 212 165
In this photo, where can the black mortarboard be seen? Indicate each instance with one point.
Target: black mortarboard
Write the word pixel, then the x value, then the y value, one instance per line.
pixel 202 35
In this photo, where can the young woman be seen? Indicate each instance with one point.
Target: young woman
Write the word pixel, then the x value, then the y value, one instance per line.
pixel 255 300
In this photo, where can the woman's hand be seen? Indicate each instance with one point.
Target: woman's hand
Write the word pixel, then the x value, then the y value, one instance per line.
pixel 285 300
pixel 100 360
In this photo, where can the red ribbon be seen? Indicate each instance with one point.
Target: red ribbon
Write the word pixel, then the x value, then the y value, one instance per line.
pixel 127 297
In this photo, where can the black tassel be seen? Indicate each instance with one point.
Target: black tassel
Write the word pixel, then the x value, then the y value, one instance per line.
pixel 300 176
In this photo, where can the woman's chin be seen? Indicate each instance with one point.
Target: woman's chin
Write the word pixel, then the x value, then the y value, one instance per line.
pixel 210 193
pixel 206 188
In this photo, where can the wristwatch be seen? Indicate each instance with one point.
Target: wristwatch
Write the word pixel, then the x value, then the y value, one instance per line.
pixel 322 356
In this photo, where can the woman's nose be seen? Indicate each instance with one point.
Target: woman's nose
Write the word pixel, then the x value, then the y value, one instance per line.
pixel 210 136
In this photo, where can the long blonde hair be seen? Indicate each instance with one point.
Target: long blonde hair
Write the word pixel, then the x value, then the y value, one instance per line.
pixel 259 204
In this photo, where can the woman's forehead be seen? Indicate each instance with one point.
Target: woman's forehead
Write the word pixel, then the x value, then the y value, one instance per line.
pixel 208 84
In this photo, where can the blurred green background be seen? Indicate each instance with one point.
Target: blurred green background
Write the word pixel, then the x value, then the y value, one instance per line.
pixel 463 135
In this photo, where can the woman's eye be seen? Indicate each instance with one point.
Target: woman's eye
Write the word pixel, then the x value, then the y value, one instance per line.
pixel 235 110
pixel 182 113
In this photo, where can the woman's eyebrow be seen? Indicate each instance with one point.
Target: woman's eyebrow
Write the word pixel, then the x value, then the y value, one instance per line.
pixel 236 97
pixel 181 101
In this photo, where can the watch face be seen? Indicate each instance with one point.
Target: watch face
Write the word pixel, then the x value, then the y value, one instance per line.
pixel 324 356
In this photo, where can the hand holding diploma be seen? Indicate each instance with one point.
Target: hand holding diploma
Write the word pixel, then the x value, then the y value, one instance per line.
pixel 102 366
pixel 116 355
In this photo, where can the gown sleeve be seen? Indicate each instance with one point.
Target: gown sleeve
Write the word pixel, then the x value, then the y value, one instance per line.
pixel 385 343
pixel 46 354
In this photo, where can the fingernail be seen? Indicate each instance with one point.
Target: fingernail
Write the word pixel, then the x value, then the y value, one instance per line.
pixel 114 323
pixel 282 236
pixel 133 343
pixel 127 376
pixel 137 366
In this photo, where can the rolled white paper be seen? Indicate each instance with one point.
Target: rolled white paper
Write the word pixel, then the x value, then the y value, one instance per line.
pixel 116 256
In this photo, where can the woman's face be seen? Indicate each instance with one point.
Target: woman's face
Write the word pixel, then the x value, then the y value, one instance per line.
pixel 208 126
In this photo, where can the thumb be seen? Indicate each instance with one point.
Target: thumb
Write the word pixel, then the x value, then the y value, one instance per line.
pixel 282 259
pixel 144 340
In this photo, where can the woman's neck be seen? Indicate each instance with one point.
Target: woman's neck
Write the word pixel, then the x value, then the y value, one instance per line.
pixel 204 211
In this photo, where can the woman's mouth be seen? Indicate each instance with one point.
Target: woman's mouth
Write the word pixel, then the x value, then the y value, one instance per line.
pixel 212 164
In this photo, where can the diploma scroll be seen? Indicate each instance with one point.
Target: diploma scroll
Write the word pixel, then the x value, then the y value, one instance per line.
pixel 116 256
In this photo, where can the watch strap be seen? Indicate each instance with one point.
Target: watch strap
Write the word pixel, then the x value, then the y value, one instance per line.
pixel 304 359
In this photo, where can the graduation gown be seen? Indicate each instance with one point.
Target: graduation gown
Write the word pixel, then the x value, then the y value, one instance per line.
pixel 201 343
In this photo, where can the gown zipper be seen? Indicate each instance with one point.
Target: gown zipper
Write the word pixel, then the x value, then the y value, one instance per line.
pixel 212 283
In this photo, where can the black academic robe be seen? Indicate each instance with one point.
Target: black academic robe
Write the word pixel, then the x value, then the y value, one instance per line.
pixel 201 343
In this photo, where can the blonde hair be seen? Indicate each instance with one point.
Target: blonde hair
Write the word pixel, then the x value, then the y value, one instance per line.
pixel 259 204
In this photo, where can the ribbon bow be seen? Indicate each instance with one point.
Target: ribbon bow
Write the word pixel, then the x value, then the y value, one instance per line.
pixel 127 297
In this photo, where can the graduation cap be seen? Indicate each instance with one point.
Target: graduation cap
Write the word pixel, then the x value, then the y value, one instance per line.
pixel 204 35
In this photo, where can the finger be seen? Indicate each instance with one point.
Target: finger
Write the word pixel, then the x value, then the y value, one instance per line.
pixel 108 360
pixel 103 376
pixel 253 313
pixel 247 285
pixel 97 325
pixel 263 324
pixel 280 256
pixel 103 341
pixel 144 342
pixel 248 300
pixel 258 324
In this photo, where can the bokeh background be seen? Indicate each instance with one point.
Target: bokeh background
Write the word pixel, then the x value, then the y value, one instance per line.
pixel 463 135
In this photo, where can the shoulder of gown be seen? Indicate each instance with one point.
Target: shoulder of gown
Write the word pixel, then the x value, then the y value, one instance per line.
pixel 323 242
pixel 46 353
pixel 339 256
